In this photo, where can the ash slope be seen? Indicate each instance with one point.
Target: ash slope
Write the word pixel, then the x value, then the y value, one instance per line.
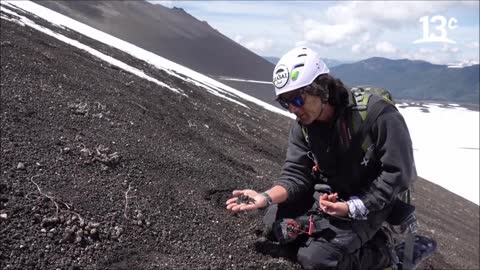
pixel 149 169
pixel 171 33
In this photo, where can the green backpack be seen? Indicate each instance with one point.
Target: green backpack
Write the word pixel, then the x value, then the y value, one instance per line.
pixel 362 95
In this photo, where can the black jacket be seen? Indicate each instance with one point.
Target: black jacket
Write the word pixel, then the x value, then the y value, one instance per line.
pixel 376 176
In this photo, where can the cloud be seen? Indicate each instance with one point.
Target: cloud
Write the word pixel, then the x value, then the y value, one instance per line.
pixel 386 13
pixel 257 45
pixel 344 30
pixel 353 20
pixel 327 35
pixel 385 47
pixel 356 48
pixel 449 49
pixel 303 43
pixel 472 45
pixel 378 48
pixel 444 55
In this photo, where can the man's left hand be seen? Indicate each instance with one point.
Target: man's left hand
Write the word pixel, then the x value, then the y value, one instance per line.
pixel 329 205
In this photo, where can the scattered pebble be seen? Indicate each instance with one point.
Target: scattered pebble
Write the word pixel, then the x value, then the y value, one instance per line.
pixel 21 166
pixel 94 224
pixel 118 231
pixel 50 222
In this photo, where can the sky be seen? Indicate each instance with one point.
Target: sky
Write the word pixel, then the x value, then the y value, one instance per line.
pixel 445 155
pixel 348 30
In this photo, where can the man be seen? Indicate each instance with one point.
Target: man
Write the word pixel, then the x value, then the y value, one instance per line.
pixel 323 149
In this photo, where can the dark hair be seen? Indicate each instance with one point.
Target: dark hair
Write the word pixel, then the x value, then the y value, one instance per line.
pixel 329 89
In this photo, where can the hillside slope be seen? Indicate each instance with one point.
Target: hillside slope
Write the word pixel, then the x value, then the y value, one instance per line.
pixel 171 33
pixel 146 171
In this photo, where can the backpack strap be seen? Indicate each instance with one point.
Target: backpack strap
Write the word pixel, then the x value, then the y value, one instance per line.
pixel 310 154
pixel 361 101
pixel 305 135
pixel 374 111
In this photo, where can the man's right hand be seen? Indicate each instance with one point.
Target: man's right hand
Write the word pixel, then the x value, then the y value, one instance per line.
pixel 330 204
pixel 259 201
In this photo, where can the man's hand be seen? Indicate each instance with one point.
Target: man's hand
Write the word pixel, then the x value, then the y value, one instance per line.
pixel 259 201
pixel 329 205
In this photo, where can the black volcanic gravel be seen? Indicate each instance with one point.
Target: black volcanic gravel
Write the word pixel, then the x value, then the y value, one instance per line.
pixel 101 169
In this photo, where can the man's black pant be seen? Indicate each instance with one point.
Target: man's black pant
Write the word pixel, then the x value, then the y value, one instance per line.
pixel 338 247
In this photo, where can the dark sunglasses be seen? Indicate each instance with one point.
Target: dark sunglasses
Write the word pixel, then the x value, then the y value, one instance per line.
pixel 297 101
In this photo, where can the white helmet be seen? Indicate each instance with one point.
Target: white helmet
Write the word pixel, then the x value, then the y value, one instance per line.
pixel 297 68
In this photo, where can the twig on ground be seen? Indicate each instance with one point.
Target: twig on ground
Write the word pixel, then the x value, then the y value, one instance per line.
pixel 55 201
pixel 45 195
pixel 141 107
pixel 241 130
pixel 67 205
pixel 126 200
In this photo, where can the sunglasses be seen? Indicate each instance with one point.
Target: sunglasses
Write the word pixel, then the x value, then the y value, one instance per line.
pixel 297 101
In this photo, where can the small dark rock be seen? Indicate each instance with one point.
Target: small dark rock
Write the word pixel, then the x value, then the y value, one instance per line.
pixel 68 236
pixel 245 199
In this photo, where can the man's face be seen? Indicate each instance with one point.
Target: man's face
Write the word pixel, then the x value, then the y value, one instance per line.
pixel 311 109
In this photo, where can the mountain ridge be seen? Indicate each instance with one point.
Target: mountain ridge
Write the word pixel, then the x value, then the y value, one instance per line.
pixel 414 79
pixel 329 62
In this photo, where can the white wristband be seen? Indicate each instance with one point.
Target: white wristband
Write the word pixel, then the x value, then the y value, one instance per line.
pixel 356 209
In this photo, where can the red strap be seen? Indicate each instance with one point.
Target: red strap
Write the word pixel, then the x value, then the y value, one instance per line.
pixel 315 167
pixel 310 225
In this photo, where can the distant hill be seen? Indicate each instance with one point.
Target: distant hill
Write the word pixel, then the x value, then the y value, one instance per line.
pixel 419 80
pixel 169 32
pixel 330 62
